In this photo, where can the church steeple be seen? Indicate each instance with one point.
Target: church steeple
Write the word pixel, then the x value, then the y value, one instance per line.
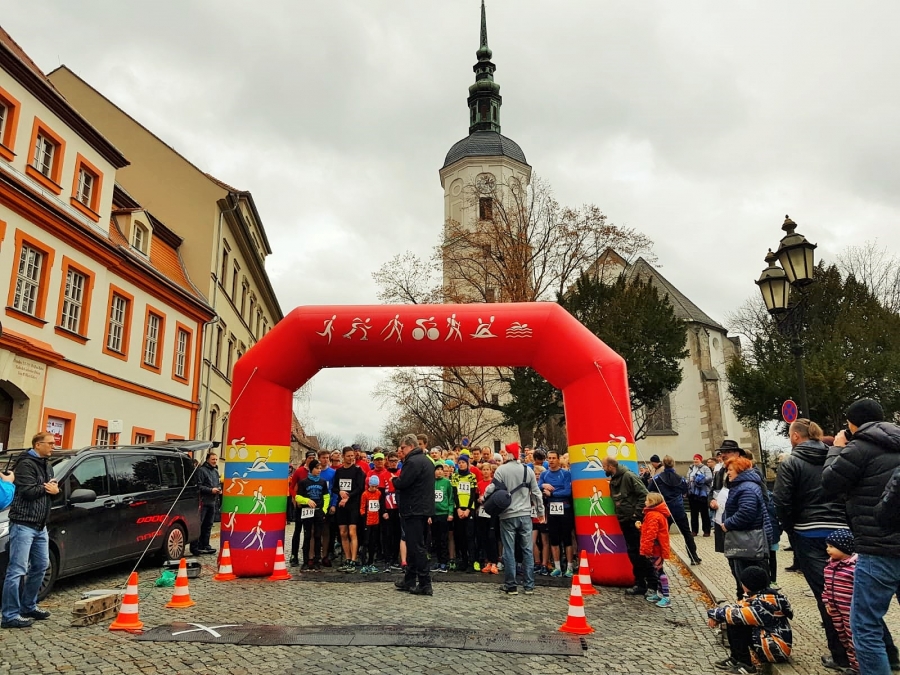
pixel 484 96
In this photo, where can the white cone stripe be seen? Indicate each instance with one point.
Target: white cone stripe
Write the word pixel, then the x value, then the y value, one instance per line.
pixel 181 590
pixel 576 612
pixel 129 608
pixel 224 569
pixel 576 591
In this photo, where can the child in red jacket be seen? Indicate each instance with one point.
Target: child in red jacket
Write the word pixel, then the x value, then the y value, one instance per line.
pixel 655 545
pixel 838 592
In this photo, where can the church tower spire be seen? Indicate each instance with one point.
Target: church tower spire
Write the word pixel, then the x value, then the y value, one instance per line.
pixel 484 96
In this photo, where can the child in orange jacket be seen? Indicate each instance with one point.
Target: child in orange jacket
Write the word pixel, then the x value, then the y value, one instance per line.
pixel 655 545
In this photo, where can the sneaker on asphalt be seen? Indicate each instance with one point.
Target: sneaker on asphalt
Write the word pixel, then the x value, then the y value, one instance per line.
pixel 494 569
pixel 556 573
pixel 317 567
pixel 831 664
pixel 326 562
pixel 653 597
pixel 435 567
pixel 528 591
pixel 402 586
pixel 486 569
pixel 304 568
pixel 421 590
pixel 636 590
pixel 509 591
pixel 37 613
pixel 294 561
pixel 17 622
pixel 442 569
pixel 477 566
pixel 729 665
pixel 499 566
pixel 664 602
pixel 569 573
pixel 452 566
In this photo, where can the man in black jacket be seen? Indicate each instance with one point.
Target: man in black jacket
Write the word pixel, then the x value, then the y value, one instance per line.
pixel 629 494
pixel 415 497
pixel 858 468
pixel 810 517
pixel 29 554
pixel 208 482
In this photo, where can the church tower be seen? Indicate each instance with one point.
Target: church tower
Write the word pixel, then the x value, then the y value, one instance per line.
pixel 484 156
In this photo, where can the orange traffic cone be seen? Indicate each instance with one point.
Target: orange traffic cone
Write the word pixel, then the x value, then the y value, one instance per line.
pixel 128 618
pixel 181 596
pixel 584 575
pixel 575 621
pixel 225 572
pixel 279 572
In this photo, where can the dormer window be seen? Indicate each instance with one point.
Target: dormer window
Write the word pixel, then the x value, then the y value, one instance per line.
pixel 86 188
pixel 44 150
pixel 140 238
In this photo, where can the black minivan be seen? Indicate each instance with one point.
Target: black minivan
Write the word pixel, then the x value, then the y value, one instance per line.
pixel 114 503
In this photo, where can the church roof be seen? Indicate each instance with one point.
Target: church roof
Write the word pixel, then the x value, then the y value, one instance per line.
pixel 684 308
pixel 485 144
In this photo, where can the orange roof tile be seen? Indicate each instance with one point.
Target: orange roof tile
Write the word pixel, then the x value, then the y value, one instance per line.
pixel 167 262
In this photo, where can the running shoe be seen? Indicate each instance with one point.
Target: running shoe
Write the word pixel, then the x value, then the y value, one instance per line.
pixel 556 572
pixel 486 569
pixel 654 598
pixel 495 569
pixel 499 566
pixel 664 602
pixel 326 562
pixel 509 591
pixel 477 566
pixel 442 569
pixel 452 566
pixel 569 574
pixel 545 572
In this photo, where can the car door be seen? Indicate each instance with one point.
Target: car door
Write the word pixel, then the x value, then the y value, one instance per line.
pixel 83 531
pixel 138 512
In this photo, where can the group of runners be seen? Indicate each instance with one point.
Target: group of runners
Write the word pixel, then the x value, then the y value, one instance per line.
pixel 346 514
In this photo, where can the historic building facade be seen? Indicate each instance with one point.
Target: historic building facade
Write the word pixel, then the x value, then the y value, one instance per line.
pixel 225 243
pixel 101 320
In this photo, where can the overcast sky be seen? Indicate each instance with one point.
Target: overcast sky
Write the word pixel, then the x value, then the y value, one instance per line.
pixel 699 123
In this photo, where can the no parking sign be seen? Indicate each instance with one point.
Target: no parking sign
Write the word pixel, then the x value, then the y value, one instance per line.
pixel 789 411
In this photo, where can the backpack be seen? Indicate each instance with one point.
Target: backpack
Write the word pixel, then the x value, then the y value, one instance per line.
pixel 500 499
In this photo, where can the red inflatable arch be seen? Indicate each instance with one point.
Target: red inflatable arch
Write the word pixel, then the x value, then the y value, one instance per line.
pixel 543 336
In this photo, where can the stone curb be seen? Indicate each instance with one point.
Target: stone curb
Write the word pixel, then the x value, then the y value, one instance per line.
pixel 718 597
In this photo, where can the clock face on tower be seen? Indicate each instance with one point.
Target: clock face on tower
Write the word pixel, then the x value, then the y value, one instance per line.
pixel 485 183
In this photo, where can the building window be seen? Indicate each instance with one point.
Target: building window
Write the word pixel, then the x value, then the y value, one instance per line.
pixel 485 208
pixel 101 436
pixel 182 363
pixel 154 330
pixel 73 300
pixel 118 323
pixel 86 188
pixel 245 289
pixel 140 237
pixel 213 420
pixel 217 356
pixel 28 280
pixel 226 252
pixel 142 439
pixel 659 419
pixel 9 116
pixel 45 157
pixel 251 313
pixel 230 361
pixel 495 399
pixel 234 279
pixel 490 295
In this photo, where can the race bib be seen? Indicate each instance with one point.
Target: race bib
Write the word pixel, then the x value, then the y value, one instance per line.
pixel 345 484
pixel 306 513
pixel 374 505
pixel 482 513
pixel 557 508
pixel 464 488
pixel 438 496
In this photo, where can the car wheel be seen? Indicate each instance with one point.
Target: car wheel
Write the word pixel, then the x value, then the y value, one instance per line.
pixel 174 543
pixel 49 576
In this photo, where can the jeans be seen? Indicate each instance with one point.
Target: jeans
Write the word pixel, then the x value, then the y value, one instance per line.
pixel 29 557
pixel 811 558
pixel 516 532
pixel 876 583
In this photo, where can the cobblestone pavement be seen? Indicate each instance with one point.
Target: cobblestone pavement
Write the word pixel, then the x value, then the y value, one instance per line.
pixel 809 636
pixel 632 635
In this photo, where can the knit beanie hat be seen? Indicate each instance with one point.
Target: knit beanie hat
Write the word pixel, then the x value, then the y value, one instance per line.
pixel 865 410
pixel 843 541
pixel 755 579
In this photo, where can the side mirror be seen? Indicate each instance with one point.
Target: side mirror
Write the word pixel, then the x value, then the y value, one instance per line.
pixel 82 496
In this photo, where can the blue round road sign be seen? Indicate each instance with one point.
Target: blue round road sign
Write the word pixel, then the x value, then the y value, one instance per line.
pixel 789 411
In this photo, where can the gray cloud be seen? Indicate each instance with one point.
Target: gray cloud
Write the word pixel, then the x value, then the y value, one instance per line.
pixel 699 123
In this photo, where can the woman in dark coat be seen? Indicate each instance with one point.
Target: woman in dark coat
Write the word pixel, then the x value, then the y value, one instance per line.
pixel 745 509
pixel 673 488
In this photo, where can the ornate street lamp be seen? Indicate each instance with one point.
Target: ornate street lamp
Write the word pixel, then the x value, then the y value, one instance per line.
pixel 797 258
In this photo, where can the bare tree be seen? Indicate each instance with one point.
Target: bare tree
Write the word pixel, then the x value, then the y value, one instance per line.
pixel 330 440
pixel 408 280
pixel 877 268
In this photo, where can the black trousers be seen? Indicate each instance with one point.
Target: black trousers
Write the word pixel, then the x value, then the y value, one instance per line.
pixel 312 535
pixel 486 536
pixel 740 639
pixel 464 538
pixel 644 576
pixel 680 518
pixel 207 515
pixel 414 527
pixel 440 538
pixel 699 511
pixel 373 542
pixel 811 557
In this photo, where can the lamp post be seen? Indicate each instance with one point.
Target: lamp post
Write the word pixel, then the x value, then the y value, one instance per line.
pixel 796 256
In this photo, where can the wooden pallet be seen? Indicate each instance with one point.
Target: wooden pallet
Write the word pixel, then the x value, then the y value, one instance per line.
pixel 96 609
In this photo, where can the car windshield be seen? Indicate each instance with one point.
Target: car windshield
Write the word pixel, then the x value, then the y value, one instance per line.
pixel 60 464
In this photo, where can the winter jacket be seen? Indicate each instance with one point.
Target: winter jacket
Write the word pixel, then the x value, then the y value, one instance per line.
pixel 415 485
pixel 371 506
pixel 7 492
pixel 561 481
pixel 699 480
pixel 800 502
pixel 768 613
pixel 317 490
pixel 465 490
pixel 887 513
pixel 31 503
pixel 207 480
pixel 745 508
pixel 628 494
pixel 511 474
pixel 655 532
pixel 672 487
pixel 860 471
pixel 443 497
pixel 838 591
